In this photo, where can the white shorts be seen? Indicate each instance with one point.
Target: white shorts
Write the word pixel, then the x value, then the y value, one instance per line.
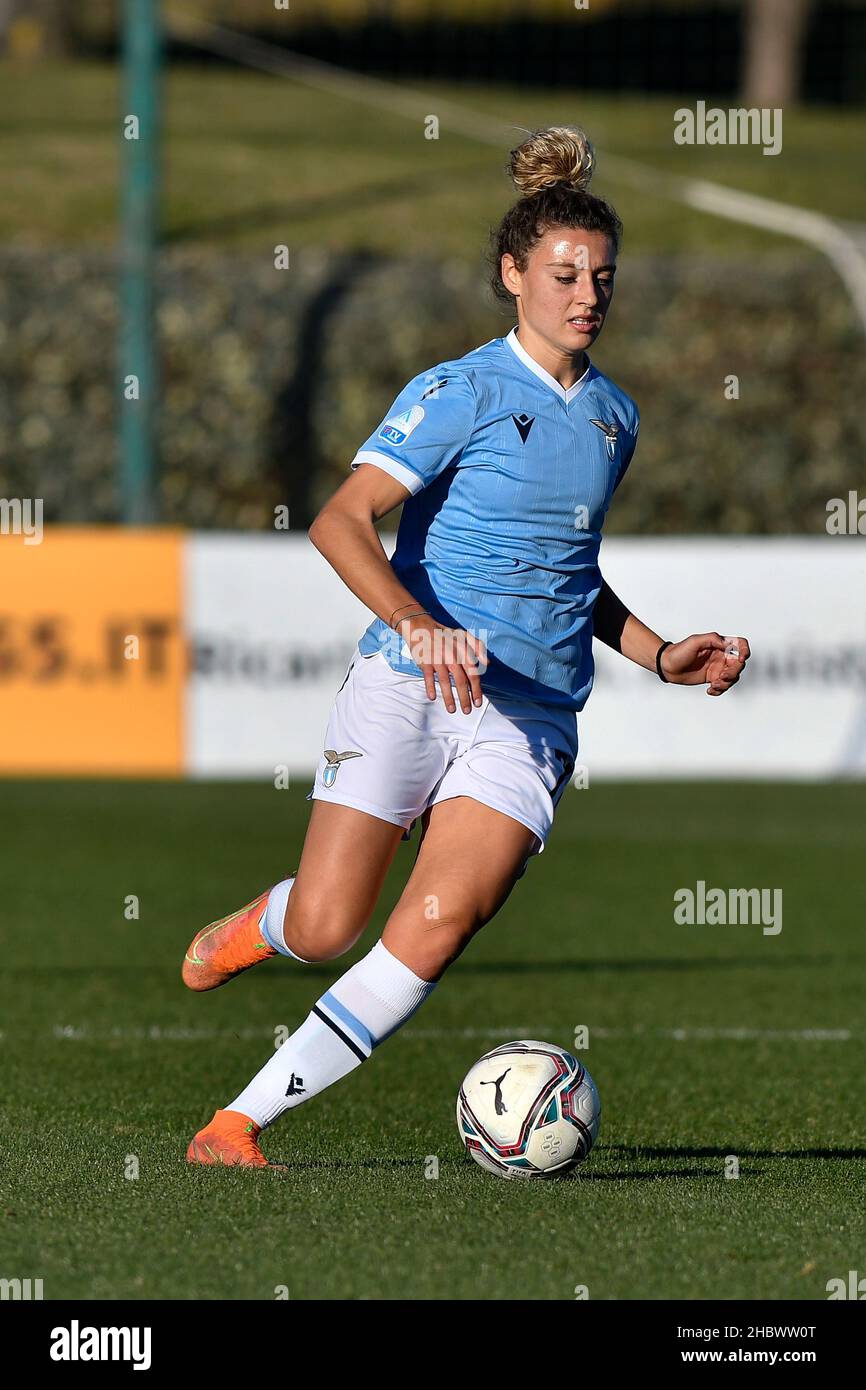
pixel 392 751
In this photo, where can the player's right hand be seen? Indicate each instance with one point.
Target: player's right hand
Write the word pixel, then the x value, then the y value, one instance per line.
pixel 449 654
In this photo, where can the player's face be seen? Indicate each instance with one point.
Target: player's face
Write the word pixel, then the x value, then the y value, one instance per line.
pixel 567 286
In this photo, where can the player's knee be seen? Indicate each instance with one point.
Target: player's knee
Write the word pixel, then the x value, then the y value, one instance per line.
pixel 441 937
pixel 318 928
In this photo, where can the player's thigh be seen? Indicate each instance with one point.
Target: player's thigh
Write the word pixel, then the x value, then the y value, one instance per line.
pixel 345 858
pixel 469 860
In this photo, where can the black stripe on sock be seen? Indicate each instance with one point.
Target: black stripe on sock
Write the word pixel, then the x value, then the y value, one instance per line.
pixel 352 1046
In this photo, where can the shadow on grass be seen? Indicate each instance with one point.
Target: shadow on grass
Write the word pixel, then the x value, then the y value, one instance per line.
pixel 582 1172
pixel 590 1172
pixel 329 970
pixel 579 1174
pixel 577 966
pixel 641 1152
pixel 641 964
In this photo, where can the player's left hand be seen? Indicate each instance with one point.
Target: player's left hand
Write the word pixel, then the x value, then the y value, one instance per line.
pixel 706 659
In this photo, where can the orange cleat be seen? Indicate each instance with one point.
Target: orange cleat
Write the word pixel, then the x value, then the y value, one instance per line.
pixel 230 1139
pixel 225 948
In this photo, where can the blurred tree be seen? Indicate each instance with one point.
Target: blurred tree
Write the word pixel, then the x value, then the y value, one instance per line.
pixel 8 11
pixel 29 28
pixel 53 16
pixel 774 31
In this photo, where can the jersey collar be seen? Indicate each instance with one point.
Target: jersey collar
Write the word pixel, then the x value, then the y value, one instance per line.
pixel 566 394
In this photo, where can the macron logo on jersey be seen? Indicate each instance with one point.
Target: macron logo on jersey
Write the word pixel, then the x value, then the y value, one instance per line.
pixel 397 429
pixel 524 424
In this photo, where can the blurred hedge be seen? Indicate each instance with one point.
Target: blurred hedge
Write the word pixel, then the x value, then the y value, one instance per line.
pixel 271 379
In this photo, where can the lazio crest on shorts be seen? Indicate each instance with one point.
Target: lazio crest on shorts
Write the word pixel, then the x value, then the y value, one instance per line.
pixel 333 761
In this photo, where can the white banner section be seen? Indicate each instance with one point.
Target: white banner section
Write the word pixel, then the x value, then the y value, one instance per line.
pixel 272 629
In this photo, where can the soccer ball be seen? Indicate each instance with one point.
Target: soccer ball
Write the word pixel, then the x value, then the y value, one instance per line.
pixel 528 1110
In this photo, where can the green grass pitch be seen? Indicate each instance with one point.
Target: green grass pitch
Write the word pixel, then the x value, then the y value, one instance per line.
pixel 699 1042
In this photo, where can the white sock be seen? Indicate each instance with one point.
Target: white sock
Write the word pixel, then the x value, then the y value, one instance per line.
pixel 366 1005
pixel 271 924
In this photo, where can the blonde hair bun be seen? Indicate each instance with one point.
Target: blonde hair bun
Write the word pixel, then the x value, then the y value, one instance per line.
pixel 557 154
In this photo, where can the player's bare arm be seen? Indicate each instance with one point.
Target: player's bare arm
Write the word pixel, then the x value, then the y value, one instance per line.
pixel 704 658
pixel 344 532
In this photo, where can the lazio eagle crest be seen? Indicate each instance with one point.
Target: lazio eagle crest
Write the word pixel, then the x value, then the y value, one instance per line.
pixel 610 433
pixel 333 760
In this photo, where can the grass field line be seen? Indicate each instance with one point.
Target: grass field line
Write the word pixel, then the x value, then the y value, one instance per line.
pixel 157 1032
pixel 816 229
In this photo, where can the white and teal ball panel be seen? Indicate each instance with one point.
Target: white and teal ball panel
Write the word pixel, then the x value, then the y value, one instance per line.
pixel 528 1110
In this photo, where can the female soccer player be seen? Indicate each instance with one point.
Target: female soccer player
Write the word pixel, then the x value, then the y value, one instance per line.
pixel 459 705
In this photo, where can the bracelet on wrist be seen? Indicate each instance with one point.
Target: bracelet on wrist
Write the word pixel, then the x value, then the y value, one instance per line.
pixel 400 610
pixel 419 613
pixel 661 675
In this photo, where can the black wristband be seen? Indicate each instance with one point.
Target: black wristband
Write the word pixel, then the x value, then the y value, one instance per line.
pixel 664 646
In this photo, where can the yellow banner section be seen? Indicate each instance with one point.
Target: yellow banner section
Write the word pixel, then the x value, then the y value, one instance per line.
pixel 92 658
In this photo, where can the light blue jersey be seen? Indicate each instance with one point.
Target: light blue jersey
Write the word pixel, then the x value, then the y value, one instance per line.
pixel 511 476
